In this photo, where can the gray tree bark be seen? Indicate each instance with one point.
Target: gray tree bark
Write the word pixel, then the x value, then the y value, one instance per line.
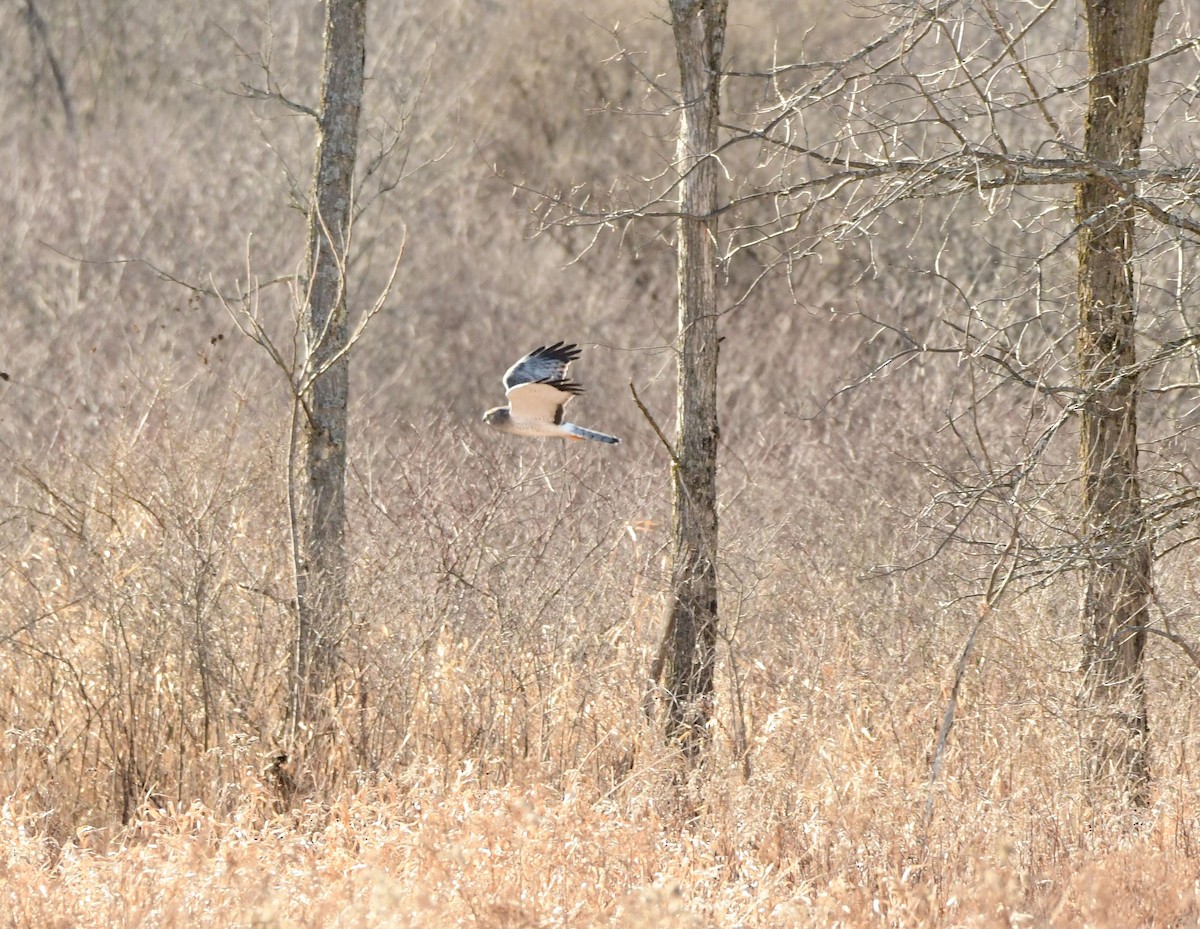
pixel 689 648
pixel 1118 577
pixel 322 609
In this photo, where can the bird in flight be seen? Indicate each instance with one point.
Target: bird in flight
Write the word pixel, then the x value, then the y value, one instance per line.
pixel 537 389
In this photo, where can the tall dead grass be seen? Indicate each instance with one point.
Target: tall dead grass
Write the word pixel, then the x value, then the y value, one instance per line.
pixel 495 762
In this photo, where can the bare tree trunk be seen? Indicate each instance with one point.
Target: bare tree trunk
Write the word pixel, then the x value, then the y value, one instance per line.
pixel 689 648
pixel 321 508
pixel 1118 576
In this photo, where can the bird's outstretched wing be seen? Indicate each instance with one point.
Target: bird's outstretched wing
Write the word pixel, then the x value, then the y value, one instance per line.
pixel 545 364
pixel 537 385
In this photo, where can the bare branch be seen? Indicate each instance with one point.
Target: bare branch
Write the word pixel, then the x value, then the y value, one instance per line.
pixel 275 95
pixel 653 424
pixel 995 591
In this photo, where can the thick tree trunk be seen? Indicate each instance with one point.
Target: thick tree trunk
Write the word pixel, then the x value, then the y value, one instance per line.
pixel 321 509
pixel 689 649
pixel 1118 576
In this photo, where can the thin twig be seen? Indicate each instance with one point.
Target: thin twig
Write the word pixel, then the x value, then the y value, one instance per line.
pixel 990 599
pixel 654 425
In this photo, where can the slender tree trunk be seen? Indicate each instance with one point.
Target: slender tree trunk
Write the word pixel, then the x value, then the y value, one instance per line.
pixel 321 509
pixel 1117 583
pixel 689 649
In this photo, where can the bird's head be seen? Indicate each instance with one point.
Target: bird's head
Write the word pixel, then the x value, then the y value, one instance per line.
pixel 497 416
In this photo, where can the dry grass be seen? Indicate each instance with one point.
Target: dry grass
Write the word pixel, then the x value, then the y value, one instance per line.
pixel 825 830
pixel 495 765
pixel 494 760
pixel 425 853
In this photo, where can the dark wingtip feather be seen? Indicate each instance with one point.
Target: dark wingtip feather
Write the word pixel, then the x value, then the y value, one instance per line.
pixel 559 351
pixel 567 386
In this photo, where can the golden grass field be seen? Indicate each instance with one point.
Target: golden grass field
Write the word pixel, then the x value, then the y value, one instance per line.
pixel 496 765
pixel 820 824
pixel 496 759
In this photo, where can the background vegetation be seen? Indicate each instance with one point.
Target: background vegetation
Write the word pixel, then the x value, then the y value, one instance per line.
pixel 494 763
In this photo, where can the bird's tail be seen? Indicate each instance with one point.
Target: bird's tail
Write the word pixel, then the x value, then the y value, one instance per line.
pixel 578 432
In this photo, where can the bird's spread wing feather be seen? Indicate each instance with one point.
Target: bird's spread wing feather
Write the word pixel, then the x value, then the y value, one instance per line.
pixel 542 401
pixel 546 364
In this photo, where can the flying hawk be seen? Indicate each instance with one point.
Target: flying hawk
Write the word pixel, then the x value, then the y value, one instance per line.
pixel 537 389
